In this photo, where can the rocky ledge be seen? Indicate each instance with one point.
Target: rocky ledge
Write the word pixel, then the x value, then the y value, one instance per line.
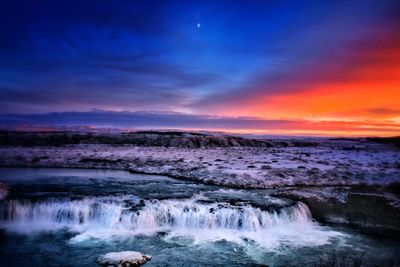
pixel 373 210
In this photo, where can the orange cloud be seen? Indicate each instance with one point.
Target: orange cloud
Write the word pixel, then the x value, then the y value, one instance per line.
pixel 361 85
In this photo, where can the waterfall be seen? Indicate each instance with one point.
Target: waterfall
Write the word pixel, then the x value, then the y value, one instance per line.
pixel 111 213
pixel 111 217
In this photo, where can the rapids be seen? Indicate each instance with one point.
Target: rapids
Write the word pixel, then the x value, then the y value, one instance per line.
pixel 72 216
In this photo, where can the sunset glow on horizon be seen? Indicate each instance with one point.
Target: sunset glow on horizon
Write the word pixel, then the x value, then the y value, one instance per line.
pixel 326 68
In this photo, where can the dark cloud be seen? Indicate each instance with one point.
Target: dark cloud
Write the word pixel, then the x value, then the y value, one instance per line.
pixel 168 120
pixel 330 52
pixel 106 81
pixel 384 111
pixel 138 120
pixel 79 55
pixel 149 55
pixel 53 20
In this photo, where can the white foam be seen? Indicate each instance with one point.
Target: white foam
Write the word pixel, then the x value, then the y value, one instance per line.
pixel 104 218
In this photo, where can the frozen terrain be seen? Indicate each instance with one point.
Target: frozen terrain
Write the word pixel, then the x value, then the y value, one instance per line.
pixel 220 160
pixel 345 181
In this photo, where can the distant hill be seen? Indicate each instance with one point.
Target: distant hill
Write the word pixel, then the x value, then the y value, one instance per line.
pixel 140 138
pixel 386 140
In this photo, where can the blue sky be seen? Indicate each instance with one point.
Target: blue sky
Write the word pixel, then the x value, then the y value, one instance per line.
pixel 204 58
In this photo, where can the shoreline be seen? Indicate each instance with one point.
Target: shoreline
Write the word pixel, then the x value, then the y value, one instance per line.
pixel 184 178
pixel 237 167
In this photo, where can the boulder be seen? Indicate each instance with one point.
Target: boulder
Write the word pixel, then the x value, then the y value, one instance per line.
pixel 123 259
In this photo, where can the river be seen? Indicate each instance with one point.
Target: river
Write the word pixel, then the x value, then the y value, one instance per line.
pixel 68 217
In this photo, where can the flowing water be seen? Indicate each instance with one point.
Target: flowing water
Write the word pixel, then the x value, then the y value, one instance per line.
pixel 68 217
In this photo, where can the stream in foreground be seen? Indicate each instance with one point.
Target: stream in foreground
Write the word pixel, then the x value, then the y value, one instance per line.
pixel 68 217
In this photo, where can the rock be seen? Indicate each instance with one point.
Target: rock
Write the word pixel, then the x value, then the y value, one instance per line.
pixel 367 209
pixel 123 259
pixel 4 190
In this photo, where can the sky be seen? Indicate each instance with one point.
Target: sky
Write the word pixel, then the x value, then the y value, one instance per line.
pixel 268 67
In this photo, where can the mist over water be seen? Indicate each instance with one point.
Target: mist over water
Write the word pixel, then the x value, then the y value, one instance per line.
pixel 106 211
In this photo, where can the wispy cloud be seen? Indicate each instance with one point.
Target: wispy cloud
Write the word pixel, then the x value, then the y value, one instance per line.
pixel 288 61
pixel 173 120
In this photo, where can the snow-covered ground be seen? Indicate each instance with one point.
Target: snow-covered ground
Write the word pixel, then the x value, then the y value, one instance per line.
pixel 342 181
pixel 339 162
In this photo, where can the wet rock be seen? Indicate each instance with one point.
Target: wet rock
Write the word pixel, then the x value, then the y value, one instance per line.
pixel 123 259
pixel 4 190
pixel 366 209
